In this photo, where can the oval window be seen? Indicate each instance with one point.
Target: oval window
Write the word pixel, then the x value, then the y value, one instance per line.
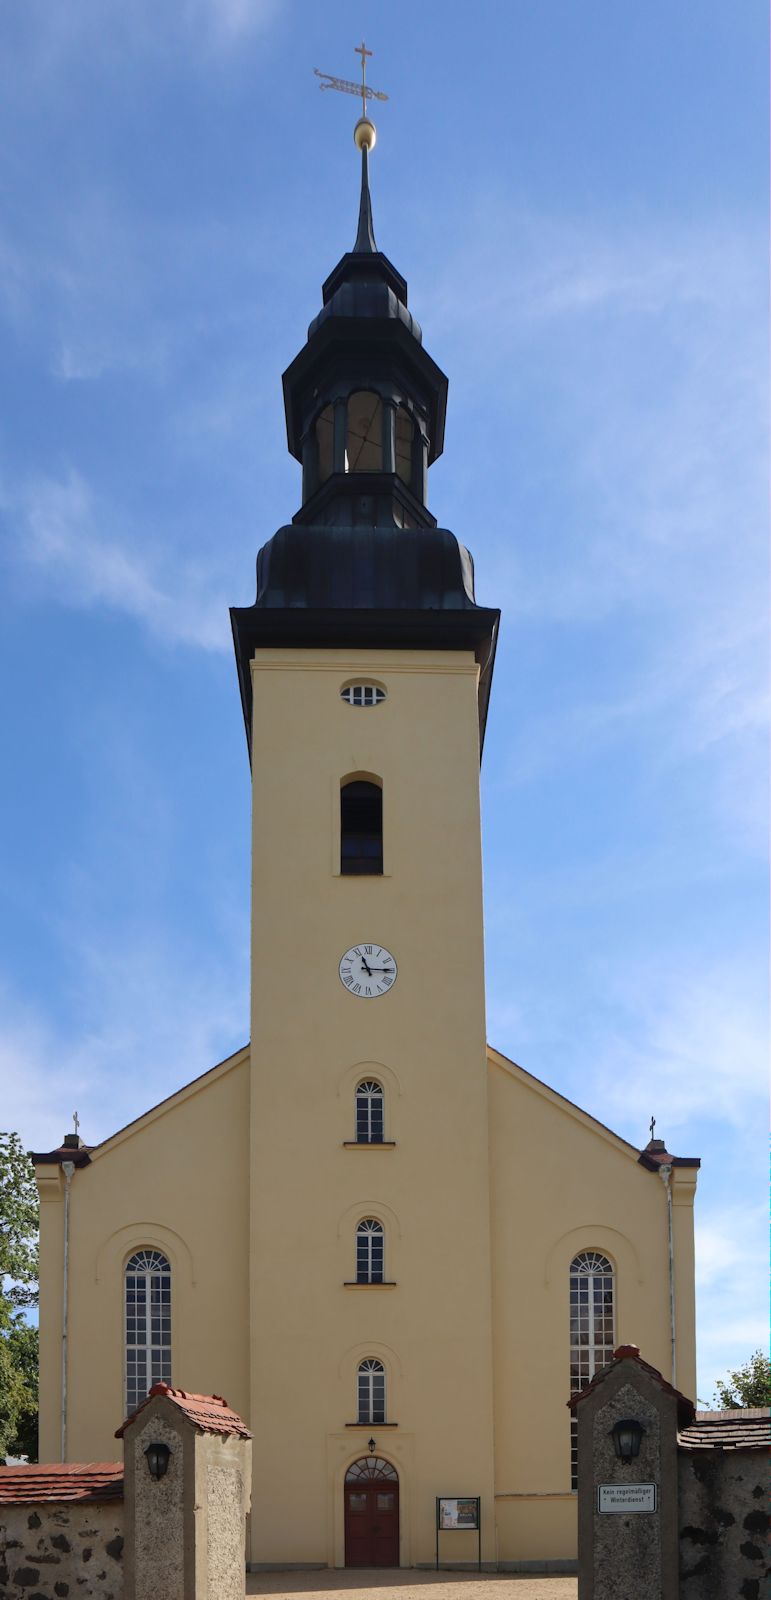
pixel 362 694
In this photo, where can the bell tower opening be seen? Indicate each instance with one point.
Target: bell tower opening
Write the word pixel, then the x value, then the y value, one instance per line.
pixel 364 436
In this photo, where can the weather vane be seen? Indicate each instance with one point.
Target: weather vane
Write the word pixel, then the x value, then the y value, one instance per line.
pixel 361 133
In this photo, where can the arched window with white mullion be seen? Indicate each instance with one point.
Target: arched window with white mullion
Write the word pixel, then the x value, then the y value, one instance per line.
pixel 371 1391
pixel 369 1113
pixel 147 1324
pixel 592 1329
pixel 369 1251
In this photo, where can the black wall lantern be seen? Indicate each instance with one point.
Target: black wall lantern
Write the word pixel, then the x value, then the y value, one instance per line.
pixel 626 1438
pixel 157 1458
pixel 371 1446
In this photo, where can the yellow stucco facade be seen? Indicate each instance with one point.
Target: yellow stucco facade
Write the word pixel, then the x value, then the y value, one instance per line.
pixel 251 1183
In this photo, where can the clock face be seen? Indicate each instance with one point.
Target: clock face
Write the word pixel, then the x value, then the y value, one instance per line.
pixel 367 970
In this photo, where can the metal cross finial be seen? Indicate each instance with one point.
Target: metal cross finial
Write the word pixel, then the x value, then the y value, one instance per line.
pixel 653 1124
pixel 76 1120
pixel 347 87
pixel 361 50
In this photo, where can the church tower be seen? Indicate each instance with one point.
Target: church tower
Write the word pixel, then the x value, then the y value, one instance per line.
pixel 365 668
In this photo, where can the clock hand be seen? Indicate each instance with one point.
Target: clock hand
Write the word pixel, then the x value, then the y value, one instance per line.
pixel 367 969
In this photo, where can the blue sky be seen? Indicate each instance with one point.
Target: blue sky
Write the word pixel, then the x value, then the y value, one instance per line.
pixel 576 195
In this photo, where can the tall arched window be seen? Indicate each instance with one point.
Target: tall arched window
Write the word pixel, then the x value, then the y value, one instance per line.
pixel 371 1391
pixel 361 829
pixel 148 1325
pixel 592 1331
pixel 364 434
pixel 369 1113
pixel 369 1251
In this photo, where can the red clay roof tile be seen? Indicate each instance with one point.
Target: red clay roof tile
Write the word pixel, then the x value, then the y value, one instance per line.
pixel 727 1430
pixel 686 1409
pixel 87 1482
pixel 209 1412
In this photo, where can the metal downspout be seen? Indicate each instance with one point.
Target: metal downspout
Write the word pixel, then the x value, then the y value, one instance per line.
pixel 665 1173
pixel 68 1167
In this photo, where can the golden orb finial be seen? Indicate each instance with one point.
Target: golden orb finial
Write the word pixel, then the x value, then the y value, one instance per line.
pixel 364 134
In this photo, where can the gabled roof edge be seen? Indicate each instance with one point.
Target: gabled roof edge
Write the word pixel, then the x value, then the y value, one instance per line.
pixel 84 1157
pixel 549 1093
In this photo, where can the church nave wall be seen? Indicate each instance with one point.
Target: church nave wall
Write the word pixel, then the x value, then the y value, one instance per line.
pixel 175 1182
pixel 566 1190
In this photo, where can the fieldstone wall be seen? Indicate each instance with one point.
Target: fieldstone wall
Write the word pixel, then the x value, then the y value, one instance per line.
pixel 723 1524
pixel 156 1511
pixel 626 1546
pixel 185 1531
pixel 60 1551
pixel 627 1555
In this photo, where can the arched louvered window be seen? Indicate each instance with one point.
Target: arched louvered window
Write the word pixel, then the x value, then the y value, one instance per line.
pixel 369 1251
pixel 369 1112
pixel 371 1391
pixel 592 1329
pixel 148 1325
pixel 361 829
pixel 364 433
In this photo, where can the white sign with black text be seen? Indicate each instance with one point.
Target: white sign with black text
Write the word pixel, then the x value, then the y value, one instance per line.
pixel 626 1497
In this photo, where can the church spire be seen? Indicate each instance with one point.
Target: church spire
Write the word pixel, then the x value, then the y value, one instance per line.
pixel 365 237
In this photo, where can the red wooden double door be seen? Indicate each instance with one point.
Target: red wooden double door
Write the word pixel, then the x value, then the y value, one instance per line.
pixel 372 1523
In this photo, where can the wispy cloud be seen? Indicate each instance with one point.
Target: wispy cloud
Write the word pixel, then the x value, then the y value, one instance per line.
pixel 730 1288
pixel 635 441
pixel 147 1024
pixel 635 348
pixel 109 28
pixel 696 1046
pixel 235 18
pixel 62 532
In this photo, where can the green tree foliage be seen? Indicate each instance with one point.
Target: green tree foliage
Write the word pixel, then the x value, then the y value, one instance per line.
pixel 749 1386
pixel 18 1292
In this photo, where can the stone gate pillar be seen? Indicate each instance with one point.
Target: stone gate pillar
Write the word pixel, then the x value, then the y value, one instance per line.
pixel 627 1509
pixel 187 1493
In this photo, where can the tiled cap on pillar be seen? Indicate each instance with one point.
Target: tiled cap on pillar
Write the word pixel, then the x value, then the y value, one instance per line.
pixel 628 1419
pixel 187 1464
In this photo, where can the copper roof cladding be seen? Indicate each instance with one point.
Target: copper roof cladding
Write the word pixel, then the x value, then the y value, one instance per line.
pixel 88 1483
pixel 748 1429
pixel 686 1410
pixel 207 1412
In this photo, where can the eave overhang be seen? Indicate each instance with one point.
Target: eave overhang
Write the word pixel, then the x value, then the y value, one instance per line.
pixel 260 628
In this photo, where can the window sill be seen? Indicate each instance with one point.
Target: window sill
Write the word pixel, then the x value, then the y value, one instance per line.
pixel 387 1283
pixel 371 1425
pixel 369 1144
pixel 336 873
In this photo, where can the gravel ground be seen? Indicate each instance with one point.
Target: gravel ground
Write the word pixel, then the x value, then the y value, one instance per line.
pixel 407 1584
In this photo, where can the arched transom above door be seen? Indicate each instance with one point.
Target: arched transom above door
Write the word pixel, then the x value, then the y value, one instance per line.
pixel 371 1467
